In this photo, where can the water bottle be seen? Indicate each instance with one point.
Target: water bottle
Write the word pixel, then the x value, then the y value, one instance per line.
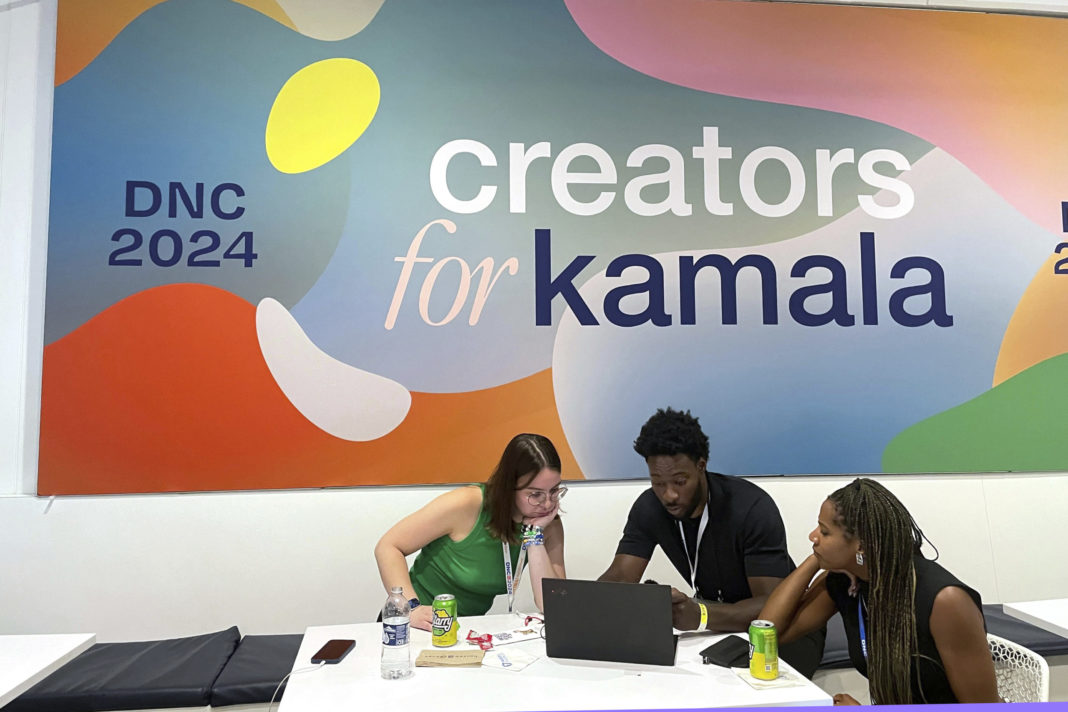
pixel 396 661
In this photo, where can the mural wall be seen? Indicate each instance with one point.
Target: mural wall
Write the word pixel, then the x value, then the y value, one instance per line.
pixel 323 244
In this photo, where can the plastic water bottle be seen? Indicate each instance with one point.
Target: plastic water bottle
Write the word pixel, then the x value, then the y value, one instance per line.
pixel 396 661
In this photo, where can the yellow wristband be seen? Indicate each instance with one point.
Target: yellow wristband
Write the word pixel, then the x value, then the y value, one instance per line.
pixel 704 615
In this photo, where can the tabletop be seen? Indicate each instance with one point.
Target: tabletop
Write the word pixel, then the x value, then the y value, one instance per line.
pixel 25 660
pixel 545 684
pixel 1051 614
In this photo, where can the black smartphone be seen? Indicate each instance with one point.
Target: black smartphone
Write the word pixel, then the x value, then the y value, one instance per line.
pixel 732 651
pixel 334 651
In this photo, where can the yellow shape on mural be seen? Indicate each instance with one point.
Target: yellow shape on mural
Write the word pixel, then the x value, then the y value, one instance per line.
pixel 319 112
pixel 1038 329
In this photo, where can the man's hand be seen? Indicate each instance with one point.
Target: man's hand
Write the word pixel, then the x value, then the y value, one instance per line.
pixel 685 613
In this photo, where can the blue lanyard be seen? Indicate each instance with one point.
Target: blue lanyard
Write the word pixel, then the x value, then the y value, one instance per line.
pixel 863 633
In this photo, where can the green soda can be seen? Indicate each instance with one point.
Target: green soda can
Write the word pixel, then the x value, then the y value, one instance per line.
pixel 763 650
pixel 443 623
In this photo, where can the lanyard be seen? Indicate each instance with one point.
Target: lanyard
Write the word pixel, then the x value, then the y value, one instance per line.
pixel 863 633
pixel 692 561
pixel 510 584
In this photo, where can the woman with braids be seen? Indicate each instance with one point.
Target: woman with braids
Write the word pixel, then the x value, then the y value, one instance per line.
pixel 471 538
pixel 914 630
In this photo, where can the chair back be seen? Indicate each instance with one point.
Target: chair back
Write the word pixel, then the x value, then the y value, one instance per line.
pixel 1022 674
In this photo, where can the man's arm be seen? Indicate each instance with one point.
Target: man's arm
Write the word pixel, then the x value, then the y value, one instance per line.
pixel 625 568
pixel 636 547
pixel 722 617
pixel 766 563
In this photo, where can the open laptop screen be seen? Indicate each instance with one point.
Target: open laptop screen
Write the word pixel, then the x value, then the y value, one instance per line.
pixel 616 622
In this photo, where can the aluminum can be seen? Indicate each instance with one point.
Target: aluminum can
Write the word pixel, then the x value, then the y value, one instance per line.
pixel 443 625
pixel 763 650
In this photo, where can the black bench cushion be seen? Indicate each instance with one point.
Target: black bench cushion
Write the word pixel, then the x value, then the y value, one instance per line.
pixel 140 675
pixel 999 623
pixel 835 650
pixel 255 669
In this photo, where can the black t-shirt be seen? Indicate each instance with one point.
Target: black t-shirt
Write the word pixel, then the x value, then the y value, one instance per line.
pixel 927 669
pixel 744 537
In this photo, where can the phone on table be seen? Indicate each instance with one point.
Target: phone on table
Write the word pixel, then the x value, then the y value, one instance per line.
pixel 333 651
pixel 732 651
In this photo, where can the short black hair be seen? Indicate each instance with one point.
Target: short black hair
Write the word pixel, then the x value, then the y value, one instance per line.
pixel 672 432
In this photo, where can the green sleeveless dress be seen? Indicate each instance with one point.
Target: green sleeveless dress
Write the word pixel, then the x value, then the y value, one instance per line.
pixel 471 569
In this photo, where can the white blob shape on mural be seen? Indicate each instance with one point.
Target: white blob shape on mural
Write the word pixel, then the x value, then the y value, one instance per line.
pixel 342 400
pixel 330 20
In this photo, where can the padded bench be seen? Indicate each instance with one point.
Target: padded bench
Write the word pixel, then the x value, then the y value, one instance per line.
pixel 255 669
pixel 219 669
pixel 130 676
pixel 836 652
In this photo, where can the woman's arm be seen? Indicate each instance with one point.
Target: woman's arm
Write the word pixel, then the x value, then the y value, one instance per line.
pixel 452 514
pixel 797 607
pixel 957 629
pixel 546 561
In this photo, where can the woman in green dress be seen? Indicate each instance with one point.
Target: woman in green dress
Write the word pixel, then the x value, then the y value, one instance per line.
pixel 466 536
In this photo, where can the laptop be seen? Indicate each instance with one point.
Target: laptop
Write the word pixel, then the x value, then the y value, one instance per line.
pixel 614 622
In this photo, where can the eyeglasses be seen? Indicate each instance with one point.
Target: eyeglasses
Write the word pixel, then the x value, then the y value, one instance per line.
pixel 537 497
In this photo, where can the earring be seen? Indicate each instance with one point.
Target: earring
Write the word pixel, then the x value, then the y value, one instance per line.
pixel 860 558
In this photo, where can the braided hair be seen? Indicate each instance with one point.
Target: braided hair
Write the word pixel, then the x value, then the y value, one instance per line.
pixel 890 538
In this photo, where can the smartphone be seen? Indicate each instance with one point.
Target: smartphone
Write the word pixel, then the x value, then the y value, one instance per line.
pixel 732 651
pixel 334 651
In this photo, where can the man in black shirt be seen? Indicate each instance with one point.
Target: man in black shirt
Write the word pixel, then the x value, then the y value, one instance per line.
pixel 723 534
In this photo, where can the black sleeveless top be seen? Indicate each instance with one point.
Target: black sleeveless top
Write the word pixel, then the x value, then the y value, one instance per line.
pixel 929 682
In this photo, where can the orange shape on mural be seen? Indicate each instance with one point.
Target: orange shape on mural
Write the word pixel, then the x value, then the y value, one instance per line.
pixel 167 391
pixel 1038 329
pixel 84 28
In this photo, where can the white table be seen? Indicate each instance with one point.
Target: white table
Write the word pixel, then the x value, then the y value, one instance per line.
pixel 25 660
pixel 1051 615
pixel 546 684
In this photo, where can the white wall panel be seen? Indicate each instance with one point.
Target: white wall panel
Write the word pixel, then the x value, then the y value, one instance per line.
pixel 145 566
pixel 1027 530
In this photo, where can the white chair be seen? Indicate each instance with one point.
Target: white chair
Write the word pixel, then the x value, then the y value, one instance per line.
pixel 1022 674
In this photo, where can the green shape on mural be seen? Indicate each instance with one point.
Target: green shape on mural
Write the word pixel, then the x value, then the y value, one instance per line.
pixel 1020 425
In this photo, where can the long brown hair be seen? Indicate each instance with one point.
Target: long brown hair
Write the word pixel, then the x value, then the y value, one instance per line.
pixel 889 538
pixel 523 458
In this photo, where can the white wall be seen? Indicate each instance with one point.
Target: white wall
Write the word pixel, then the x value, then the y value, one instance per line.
pixel 27 59
pixel 129 567
pixel 137 567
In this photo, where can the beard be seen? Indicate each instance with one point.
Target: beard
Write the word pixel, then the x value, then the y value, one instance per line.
pixel 692 506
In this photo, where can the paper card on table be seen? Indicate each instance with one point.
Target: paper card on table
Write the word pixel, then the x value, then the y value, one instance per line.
pixel 512 659
pixel 450 658
pixel 785 679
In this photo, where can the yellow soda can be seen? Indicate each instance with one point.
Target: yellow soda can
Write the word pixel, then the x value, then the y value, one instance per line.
pixel 763 650
pixel 443 623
